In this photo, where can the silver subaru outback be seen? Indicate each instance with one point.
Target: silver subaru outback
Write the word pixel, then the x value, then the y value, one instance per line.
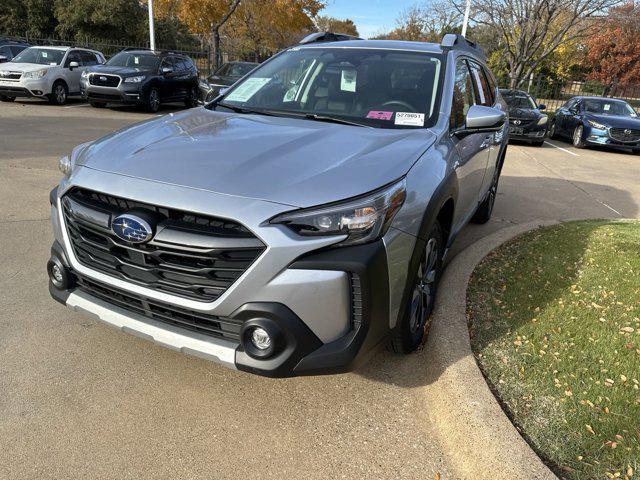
pixel 299 221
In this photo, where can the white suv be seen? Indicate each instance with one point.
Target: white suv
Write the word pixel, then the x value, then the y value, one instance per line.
pixel 46 72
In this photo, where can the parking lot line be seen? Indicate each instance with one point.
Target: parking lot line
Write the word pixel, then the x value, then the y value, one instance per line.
pixel 77 105
pixel 563 149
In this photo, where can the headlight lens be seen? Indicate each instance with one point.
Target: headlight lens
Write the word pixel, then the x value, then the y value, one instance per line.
pixel 137 79
pixel 543 120
pixel 65 165
pixel 596 125
pixel 363 219
pixel 36 74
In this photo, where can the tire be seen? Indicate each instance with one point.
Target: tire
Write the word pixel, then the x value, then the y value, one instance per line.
pixel 97 104
pixel 553 135
pixel 538 144
pixel 4 98
pixel 485 209
pixel 59 93
pixel 152 103
pixel 577 140
pixel 191 100
pixel 415 325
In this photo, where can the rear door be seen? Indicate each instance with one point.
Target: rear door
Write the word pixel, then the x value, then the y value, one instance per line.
pixel 167 82
pixel 473 150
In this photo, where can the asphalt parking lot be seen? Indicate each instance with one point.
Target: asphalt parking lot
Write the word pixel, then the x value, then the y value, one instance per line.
pixel 81 400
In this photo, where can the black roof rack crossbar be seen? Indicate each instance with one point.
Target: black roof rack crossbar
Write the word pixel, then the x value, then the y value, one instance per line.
pixel 319 37
pixel 455 40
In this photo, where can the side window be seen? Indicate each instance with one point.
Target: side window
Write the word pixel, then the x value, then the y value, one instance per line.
pixel 88 59
pixel 490 85
pixel 482 87
pixel 17 49
pixel 463 95
pixel 179 64
pixel 167 63
pixel 6 52
pixel 570 104
pixel 73 56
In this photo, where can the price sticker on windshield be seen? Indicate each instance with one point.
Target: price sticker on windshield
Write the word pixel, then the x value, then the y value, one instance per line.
pixel 247 89
pixel 409 119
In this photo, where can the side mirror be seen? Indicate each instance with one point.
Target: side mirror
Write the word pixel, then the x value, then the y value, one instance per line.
pixel 542 107
pixel 481 119
pixel 73 65
pixel 3 59
pixel 167 70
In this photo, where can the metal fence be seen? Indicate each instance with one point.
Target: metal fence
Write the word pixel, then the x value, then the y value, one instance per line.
pixel 554 93
pixel 201 57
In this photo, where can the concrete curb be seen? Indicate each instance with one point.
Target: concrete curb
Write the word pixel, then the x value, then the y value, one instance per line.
pixel 478 438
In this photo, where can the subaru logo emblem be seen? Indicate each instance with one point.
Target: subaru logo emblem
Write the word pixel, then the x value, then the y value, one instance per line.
pixel 103 79
pixel 627 132
pixel 517 122
pixel 131 228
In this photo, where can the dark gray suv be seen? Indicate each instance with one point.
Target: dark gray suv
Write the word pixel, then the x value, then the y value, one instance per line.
pixel 299 221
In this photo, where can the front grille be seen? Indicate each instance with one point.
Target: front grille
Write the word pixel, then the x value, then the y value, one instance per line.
pixel 101 80
pixel 522 123
pixel 191 255
pixel 103 96
pixel 11 75
pixel 219 327
pixel 624 134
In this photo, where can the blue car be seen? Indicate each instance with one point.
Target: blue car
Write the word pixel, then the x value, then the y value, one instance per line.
pixel 596 121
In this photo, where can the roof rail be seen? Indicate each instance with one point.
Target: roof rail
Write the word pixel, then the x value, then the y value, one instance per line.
pixel 455 40
pixel 319 37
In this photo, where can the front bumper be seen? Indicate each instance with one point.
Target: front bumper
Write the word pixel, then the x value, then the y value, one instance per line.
pixel 331 305
pixel 25 88
pixel 527 133
pixel 602 137
pixel 125 93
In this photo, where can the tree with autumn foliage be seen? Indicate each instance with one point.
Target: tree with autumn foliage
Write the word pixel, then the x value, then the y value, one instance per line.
pixel 331 24
pixel 613 47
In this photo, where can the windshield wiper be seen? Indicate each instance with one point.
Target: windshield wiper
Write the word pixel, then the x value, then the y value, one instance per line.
pixel 245 110
pixel 324 118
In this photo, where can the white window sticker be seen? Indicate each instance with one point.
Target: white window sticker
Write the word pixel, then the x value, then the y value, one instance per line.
pixel 410 119
pixel 136 60
pixel 45 54
pixel 248 89
pixel 606 107
pixel 348 80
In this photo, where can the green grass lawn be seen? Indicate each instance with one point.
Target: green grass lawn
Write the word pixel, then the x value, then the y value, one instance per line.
pixel 554 317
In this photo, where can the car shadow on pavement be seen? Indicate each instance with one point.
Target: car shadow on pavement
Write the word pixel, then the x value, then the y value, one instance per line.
pixel 522 200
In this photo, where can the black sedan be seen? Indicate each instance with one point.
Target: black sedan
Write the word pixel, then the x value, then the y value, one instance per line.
pixel 597 121
pixel 224 77
pixel 526 121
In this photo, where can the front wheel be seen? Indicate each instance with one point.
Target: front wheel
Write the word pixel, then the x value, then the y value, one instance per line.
pixel 4 98
pixel 578 142
pixel 415 325
pixel 553 134
pixel 59 92
pixel 192 98
pixel 153 100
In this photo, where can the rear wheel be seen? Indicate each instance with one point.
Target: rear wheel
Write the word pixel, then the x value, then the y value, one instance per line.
pixel 59 92
pixel 4 98
pixel 416 323
pixel 97 104
pixel 577 137
pixel 153 100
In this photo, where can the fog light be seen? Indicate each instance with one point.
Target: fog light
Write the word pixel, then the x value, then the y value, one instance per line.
pixel 260 339
pixel 58 274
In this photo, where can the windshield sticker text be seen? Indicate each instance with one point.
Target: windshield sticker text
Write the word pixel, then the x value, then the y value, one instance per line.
pixel 410 119
pixel 247 89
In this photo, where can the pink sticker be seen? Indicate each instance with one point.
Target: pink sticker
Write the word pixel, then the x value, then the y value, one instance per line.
pixel 380 115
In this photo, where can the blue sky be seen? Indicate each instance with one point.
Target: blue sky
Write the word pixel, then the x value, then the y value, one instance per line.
pixel 370 16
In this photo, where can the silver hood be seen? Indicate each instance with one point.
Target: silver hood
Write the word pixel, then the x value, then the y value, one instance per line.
pixel 290 161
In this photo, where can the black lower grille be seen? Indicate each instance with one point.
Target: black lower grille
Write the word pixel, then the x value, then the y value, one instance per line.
pixel 625 135
pixel 219 327
pixel 103 96
pixel 190 255
pixel 356 300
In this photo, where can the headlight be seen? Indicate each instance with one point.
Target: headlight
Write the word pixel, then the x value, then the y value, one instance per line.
pixel 137 79
pixel 65 165
pixel 36 74
pixel 543 120
pixel 362 219
pixel 596 125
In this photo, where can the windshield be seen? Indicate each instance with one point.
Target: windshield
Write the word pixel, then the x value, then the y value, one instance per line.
pixel 519 100
pixel 235 69
pixel 134 60
pixel 40 56
pixel 381 88
pixel 608 107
